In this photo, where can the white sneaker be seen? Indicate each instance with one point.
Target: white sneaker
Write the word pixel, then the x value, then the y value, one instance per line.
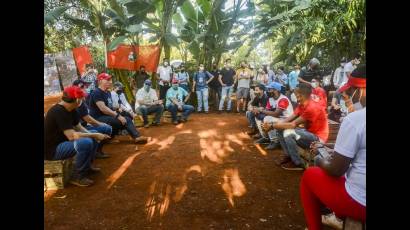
pixel 332 221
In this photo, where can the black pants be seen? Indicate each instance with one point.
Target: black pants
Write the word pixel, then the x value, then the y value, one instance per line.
pixel 117 125
pixel 163 91
pixel 215 94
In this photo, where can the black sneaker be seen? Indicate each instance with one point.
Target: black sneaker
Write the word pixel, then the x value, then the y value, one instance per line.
pixel 146 125
pixel 94 170
pixel 263 140
pixel 184 119
pixel 272 146
pixel 175 122
pixel 257 136
pixel 83 182
pixel 155 123
pixel 101 155
pixel 220 111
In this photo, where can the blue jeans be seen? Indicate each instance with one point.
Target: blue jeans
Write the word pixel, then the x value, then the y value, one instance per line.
pixel 289 143
pixel 251 118
pixel 202 95
pixel 226 92
pixel 157 109
pixel 84 149
pixel 173 109
pixel 117 125
pixel 104 129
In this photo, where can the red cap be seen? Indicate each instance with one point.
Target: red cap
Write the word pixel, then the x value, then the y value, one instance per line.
pixel 104 76
pixel 74 92
pixel 175 81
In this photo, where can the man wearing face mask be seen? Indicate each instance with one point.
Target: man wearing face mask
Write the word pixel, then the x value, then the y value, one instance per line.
pixel 339 76
pixel 183 77
pixel 278 106
pixel 119 101
pixel 350 66
pixel 148 103
pixel 164 74
pixel 201 81
pixel 226 78
pixel 243 77
pixel 256 106
pixel 339 180
pixel 175 102
pixel 318 93
pixel 65 137
pixel 312 116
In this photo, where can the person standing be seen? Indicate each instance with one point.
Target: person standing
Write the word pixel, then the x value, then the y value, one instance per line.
pixel 215 86
pixel 339 76
pixel 226 78
pixel 201 81
pixel 164 73
pixel 183 77
pixel 243 77
pixel 307 73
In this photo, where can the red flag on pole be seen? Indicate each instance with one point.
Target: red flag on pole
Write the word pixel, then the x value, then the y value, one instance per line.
pixel 82 57
pixel 132 57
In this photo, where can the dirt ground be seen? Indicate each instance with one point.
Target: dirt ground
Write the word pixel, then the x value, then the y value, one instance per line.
pixel 204 174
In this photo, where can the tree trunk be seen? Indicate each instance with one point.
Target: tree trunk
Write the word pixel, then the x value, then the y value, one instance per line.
pixel 106 53
pixel 167 50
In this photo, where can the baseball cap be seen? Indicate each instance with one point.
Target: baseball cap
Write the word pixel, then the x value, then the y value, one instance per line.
pixel 74 92
pixel 274 85
pixel 357 79
pixel 104 76
pixel 148 82
pixel 79 82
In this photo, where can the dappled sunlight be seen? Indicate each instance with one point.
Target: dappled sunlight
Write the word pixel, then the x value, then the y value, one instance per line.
pixel 48 194
pixel 188 131
pixel 261 150
pixel 208 133
pixel 221 123
pixel 118 173
pixel 233 185
pixel 234 138
pixel 180 190
pixel 180 126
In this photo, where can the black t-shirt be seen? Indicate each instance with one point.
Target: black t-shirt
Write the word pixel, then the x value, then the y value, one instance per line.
pixel 227 76
pixel 215 81
pixel 308 74
pixel 99 95
pixel 260 102
pixel 140 78
pixel 82 112
pixel 56 121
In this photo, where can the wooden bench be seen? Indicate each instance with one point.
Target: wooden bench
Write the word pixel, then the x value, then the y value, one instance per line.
pixel 333 131
pixel 351 224
pixel 57 173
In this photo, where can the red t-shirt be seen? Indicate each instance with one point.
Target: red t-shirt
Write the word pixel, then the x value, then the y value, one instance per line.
pixel 316 118
pixel 319 95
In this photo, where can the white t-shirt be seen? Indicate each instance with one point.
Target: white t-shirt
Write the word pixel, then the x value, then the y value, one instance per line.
pixel 351 142
pixel 282 103
pixel 339 77
pixel 164 73
pixel 349 67
pixel 147 97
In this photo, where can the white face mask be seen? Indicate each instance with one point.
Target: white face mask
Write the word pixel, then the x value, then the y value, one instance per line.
pixel 357 106
pixel 314 84
pixel 165 63
pixel 342 65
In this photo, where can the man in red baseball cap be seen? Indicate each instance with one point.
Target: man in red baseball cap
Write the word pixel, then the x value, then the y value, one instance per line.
pixel 339 180
pixel 101 108
pixel 65 137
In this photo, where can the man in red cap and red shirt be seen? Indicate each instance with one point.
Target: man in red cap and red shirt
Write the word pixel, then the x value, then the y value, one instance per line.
pixel 312 116
pixel 101 108
pixel 339 180
pixel 64 136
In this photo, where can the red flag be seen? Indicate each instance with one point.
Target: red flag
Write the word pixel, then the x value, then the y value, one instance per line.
pixel 132 57
pixel 82 57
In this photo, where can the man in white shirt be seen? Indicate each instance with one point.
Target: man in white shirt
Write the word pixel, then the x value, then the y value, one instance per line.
pixel 147 103
pixel 164 73
pixel 350 66
pixel 119 101
pixel 339 181
pixel 339 76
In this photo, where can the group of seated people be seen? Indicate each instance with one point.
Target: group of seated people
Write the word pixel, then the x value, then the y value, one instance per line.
pixel 337 181
pixel 81 123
